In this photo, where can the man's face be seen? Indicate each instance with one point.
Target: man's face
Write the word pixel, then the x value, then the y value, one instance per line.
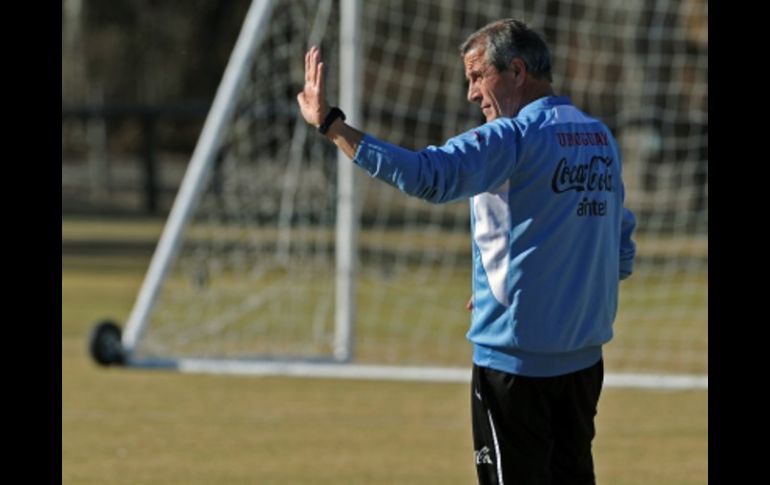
pixel 494 91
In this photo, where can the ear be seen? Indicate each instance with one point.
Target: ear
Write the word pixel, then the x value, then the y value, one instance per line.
pixel 519 70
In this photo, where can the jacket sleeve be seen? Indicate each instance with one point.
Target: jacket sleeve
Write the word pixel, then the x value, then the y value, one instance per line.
pixel 468 164
pixel 627 245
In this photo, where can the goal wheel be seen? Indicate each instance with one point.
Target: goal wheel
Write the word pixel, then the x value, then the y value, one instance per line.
pixel 105 344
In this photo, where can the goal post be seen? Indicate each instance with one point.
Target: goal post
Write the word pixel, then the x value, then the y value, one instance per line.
pixel 279 256
pixel 347 218
pixel 202 160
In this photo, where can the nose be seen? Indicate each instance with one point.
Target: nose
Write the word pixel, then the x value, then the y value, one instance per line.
pixel 473 93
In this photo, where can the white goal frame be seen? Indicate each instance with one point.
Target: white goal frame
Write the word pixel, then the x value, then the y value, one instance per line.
pixel 342 363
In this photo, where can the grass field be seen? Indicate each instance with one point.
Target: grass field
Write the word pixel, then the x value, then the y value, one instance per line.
pixel 140 427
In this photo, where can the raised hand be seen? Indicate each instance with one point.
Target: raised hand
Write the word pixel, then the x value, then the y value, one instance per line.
pixel 312 99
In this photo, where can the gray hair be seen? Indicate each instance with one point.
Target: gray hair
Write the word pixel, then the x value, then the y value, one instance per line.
pixel 506 39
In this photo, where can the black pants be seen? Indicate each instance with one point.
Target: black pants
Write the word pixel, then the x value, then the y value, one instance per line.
pixel 535 430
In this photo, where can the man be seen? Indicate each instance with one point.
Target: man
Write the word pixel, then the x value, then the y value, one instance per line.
pixel 551 240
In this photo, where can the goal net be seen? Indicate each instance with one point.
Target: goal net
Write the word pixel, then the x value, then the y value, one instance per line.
pixel 249 270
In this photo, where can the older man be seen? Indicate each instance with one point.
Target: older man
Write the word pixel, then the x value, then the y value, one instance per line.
pixel 551 240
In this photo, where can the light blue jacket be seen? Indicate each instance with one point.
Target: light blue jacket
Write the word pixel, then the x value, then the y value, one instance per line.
pixel 551 238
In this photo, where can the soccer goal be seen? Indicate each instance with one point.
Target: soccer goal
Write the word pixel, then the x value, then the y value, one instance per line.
pixel 280 257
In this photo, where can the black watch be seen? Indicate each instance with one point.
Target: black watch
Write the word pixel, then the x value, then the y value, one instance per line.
pixel 332 115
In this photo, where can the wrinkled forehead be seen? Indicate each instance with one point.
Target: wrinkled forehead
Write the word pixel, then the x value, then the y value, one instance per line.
pixel 475 60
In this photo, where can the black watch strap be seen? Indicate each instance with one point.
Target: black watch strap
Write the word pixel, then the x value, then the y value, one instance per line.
pixel 332 115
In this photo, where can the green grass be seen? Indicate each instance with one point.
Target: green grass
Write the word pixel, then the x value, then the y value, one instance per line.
pixel 155 427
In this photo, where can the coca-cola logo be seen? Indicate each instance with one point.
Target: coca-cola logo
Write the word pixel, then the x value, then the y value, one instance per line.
pixel 594 175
